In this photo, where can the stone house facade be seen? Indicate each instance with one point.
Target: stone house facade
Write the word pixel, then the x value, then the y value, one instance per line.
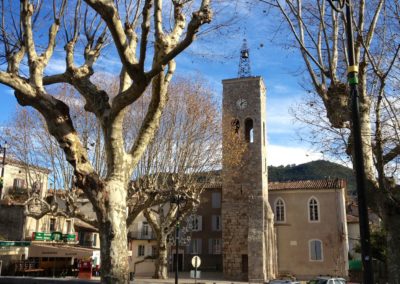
pixel 311 227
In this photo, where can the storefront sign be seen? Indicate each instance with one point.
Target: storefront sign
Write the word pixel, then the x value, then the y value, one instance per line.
pixel 55 236
pixel 14 244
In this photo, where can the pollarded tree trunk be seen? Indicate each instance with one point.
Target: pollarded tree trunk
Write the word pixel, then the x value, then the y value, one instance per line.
pixel 391 221
pixel 113 235
pixel 161 271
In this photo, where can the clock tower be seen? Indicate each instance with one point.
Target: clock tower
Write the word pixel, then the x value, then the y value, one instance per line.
pixel 249 247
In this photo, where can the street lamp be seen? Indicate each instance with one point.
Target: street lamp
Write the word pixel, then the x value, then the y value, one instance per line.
pixel 352 78
pixel 177 199
pixel 3 149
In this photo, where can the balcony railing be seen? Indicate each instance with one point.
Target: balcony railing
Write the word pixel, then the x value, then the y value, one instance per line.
pixel 140 235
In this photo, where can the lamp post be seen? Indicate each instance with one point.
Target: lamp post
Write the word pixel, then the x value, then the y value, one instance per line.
pixel 3 149
pixel 177 200
pixel 352 77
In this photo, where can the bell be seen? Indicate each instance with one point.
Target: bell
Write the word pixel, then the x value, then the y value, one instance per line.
pixel 245 54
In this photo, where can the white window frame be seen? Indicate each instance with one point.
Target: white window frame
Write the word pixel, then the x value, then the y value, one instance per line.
pixel 310 242
pixel 279 199
pixel 309 210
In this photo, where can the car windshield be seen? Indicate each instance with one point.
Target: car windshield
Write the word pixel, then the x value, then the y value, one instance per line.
pixel 318 281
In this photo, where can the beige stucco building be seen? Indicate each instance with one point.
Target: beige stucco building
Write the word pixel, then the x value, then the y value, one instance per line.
pixel 19 176
pixel 310 221
pixel 142 247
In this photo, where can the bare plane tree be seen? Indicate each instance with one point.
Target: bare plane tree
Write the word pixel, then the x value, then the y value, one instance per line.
pixel 319 34
pixel 186 150
pixel 136 32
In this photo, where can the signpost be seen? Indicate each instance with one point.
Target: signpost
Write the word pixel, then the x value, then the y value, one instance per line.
pixel 196 261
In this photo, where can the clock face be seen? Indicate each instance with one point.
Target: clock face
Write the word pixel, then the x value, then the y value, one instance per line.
pixel 241 103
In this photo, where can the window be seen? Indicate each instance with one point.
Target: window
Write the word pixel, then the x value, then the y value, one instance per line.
pixel 68 225
pixel 195 246
pixel 94 243
pixel 216 222
pixel 140 250
pixel 19 183
pixel 313 210
pixel 52 225
pixel 279 211
pixel 216 199
pixel 195 223
pixel 145 230
pixel 214 246
pixel 315 250
pixel 249 130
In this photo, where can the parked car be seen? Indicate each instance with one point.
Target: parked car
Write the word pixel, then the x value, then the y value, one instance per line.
pixel 327 280
pixel 283 281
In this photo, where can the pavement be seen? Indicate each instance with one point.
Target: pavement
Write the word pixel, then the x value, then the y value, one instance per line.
pixel 184 278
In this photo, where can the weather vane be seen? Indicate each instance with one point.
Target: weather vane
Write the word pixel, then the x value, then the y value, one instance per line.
pixel 244 63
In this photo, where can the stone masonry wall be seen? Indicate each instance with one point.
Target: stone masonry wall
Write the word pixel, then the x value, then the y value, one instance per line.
pixel 244 190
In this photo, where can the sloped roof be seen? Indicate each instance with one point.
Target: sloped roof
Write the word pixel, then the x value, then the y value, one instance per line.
pixel 19 163
pixel 308 184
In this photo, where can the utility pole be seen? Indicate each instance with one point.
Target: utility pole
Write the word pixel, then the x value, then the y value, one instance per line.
pixel 352 77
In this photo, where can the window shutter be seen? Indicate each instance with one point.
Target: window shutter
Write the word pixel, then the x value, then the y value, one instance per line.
pixel 318 251
pixel 199 246
pixel 190 247
pixel 216 199
pixel 200 223
pixel 210 246
pixel 312 250
pixel 214 222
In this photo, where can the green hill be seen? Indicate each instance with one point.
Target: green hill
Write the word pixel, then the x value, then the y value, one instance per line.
pixel 313 170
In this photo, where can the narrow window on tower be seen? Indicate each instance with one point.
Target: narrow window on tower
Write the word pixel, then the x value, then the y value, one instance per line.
pixel 263 134
pixel 249 130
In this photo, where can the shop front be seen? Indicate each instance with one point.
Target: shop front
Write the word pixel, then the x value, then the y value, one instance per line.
pixel 58 260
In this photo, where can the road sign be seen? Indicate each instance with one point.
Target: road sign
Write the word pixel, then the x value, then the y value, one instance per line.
pixel 196 261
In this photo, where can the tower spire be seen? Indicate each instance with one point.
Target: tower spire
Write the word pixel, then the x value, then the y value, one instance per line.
pixel 244 63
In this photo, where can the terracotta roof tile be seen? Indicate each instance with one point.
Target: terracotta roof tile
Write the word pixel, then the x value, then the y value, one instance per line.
pixel 308 184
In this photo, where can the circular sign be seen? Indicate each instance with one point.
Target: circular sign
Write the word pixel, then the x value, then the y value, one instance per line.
pixel 196 261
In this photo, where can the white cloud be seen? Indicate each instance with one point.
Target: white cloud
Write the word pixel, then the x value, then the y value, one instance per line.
pixel 56 65
pixel 285 155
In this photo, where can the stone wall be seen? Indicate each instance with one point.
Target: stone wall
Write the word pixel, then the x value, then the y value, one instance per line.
pixel 245 189
pixel 12 220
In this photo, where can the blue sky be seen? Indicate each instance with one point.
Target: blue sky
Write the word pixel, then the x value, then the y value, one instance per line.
pixel 216 58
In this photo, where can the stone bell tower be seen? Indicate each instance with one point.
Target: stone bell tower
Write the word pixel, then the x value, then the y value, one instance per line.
pixel 249 246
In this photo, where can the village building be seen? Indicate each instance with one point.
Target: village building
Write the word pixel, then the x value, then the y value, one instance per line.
pixel 250 229
pixel 39 246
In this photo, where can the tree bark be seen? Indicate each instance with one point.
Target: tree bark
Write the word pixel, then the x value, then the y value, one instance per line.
pixel 391 222
pixel 113 235
pixel 161 271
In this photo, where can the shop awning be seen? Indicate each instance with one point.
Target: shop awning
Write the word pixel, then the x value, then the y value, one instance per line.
pixel 11 250
pixel 41 250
